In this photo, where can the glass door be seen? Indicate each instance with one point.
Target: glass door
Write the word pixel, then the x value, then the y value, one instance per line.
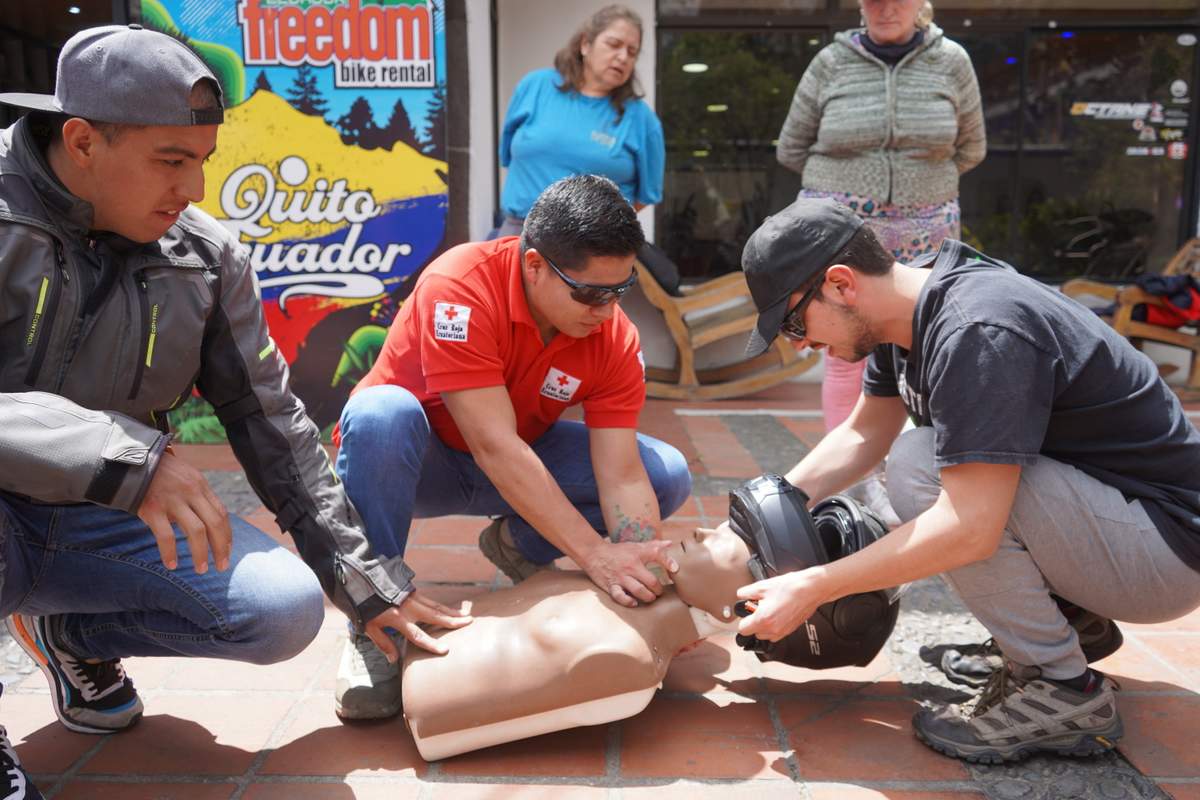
pixel 1102 188
pixel 723 96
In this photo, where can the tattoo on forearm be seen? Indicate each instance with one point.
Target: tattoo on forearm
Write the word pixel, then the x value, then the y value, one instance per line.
pixel 637 529
pixel 631 529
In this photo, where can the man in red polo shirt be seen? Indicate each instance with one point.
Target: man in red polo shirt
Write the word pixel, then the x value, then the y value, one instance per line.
pixel 460 414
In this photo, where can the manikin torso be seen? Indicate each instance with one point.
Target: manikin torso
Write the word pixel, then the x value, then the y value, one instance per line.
pixel 556 652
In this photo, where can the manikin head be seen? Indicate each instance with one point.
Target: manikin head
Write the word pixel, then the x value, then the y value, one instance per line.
pixel 771 531
pixel 134 114
pixel 713 565
pixel 578 246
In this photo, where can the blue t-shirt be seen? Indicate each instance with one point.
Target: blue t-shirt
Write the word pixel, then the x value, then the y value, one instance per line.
pixel 549 134
pixel 1006 369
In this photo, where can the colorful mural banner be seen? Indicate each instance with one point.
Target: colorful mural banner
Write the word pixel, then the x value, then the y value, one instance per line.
pixel 330 168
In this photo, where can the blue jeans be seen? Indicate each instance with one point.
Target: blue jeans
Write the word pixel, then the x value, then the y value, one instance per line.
pixel 396 468
pixel 101 570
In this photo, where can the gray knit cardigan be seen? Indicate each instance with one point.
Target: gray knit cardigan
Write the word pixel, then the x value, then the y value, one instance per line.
pixel 900 135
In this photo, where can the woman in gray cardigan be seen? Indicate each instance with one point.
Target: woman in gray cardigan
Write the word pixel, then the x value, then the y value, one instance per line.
pixel 884 120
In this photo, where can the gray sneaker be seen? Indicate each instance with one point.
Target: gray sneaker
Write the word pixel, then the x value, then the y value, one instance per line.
pixel 1019 713
pixel 368 685
pixel 497 548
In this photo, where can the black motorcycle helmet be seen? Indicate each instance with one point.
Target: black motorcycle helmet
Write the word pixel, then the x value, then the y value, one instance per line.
pixel 771 516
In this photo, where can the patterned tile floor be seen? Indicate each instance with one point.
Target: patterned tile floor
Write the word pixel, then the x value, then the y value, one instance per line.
pixel 724 725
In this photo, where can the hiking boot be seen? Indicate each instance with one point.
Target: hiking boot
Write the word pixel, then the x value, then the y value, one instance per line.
pixel 368 685
pixel 1019 713
pixel 495 542
pixel 14 780
pixel 973 664
pixel 88 697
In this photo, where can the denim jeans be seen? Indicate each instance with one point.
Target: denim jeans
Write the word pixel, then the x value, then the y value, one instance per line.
pixel 100 569
pixel 396 468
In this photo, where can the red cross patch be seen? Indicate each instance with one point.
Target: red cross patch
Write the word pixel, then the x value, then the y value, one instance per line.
pixel 451 321
pixel 559 385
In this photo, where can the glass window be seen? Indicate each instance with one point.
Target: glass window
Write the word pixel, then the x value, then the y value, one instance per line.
pixel 1138 6
pixel 987 192
pixel 30 37
pixel 722 97
pixel 692 8
pixel 1106 145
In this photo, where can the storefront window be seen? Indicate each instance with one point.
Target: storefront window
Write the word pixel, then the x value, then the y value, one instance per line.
pixel 30 37
pixel 987 193
pixel 722 97
pixel 1105 151
pixel 1055 5
pixel 691 8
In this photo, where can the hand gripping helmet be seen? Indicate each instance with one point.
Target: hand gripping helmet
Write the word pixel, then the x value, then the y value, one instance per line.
pixel 770 515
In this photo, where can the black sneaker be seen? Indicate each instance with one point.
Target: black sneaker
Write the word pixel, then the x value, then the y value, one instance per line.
pixel 14 780
pixel 88 698
pixel 974 664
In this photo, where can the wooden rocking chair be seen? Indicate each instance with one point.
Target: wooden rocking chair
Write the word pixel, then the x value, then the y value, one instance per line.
pixel 702 315
pixel 1185 262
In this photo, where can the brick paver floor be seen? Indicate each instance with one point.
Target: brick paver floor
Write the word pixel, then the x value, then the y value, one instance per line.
pixel 724 725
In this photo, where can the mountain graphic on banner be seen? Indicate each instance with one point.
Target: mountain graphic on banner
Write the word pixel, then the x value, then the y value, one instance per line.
pixel 248 193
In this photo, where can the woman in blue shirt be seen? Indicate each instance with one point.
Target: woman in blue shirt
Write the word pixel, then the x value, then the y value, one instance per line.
pixel 583 116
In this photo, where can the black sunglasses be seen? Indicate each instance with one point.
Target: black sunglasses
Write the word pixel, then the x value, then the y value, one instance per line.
pixel 792 326
pixel 589 293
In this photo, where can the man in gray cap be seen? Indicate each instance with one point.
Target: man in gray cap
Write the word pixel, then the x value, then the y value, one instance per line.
pixel 118 298
pixel 1050 471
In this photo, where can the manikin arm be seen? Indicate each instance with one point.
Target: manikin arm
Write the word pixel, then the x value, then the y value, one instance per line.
pixel 487 422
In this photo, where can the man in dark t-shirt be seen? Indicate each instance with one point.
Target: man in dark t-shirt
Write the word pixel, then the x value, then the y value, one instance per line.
pixel 1050 470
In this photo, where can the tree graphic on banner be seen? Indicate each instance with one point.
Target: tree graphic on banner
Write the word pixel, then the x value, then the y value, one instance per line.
pixel 434 143
pixel 304 95
pixel 399 128
pixel 358 125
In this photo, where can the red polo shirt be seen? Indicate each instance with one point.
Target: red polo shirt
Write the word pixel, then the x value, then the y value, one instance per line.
pixel 467 326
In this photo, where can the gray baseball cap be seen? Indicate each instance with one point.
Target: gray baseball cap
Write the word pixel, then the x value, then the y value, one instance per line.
pixel 786 251
pixel 127 75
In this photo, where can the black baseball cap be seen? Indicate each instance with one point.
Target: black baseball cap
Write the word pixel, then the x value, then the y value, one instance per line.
pixel 128 75
pixel 786 251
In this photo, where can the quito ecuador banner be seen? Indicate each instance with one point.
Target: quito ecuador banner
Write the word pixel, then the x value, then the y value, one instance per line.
pixel 330 168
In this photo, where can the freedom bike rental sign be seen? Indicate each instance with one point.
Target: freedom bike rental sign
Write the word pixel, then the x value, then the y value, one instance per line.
pixel 330 168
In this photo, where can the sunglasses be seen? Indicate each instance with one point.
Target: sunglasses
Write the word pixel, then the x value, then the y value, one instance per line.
pixel 589 293
pixel 792 326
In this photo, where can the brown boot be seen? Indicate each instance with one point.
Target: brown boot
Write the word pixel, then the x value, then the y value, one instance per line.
pixel 496 544
pixel 1019 713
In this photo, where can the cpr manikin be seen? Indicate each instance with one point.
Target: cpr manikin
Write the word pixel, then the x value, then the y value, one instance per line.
pixel 555 652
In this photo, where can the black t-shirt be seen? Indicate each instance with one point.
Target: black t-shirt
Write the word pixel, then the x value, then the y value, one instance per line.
pixel 1005 369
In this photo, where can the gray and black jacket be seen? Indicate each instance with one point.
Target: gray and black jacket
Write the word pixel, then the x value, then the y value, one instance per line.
pixel 898 134
pixel 100 337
